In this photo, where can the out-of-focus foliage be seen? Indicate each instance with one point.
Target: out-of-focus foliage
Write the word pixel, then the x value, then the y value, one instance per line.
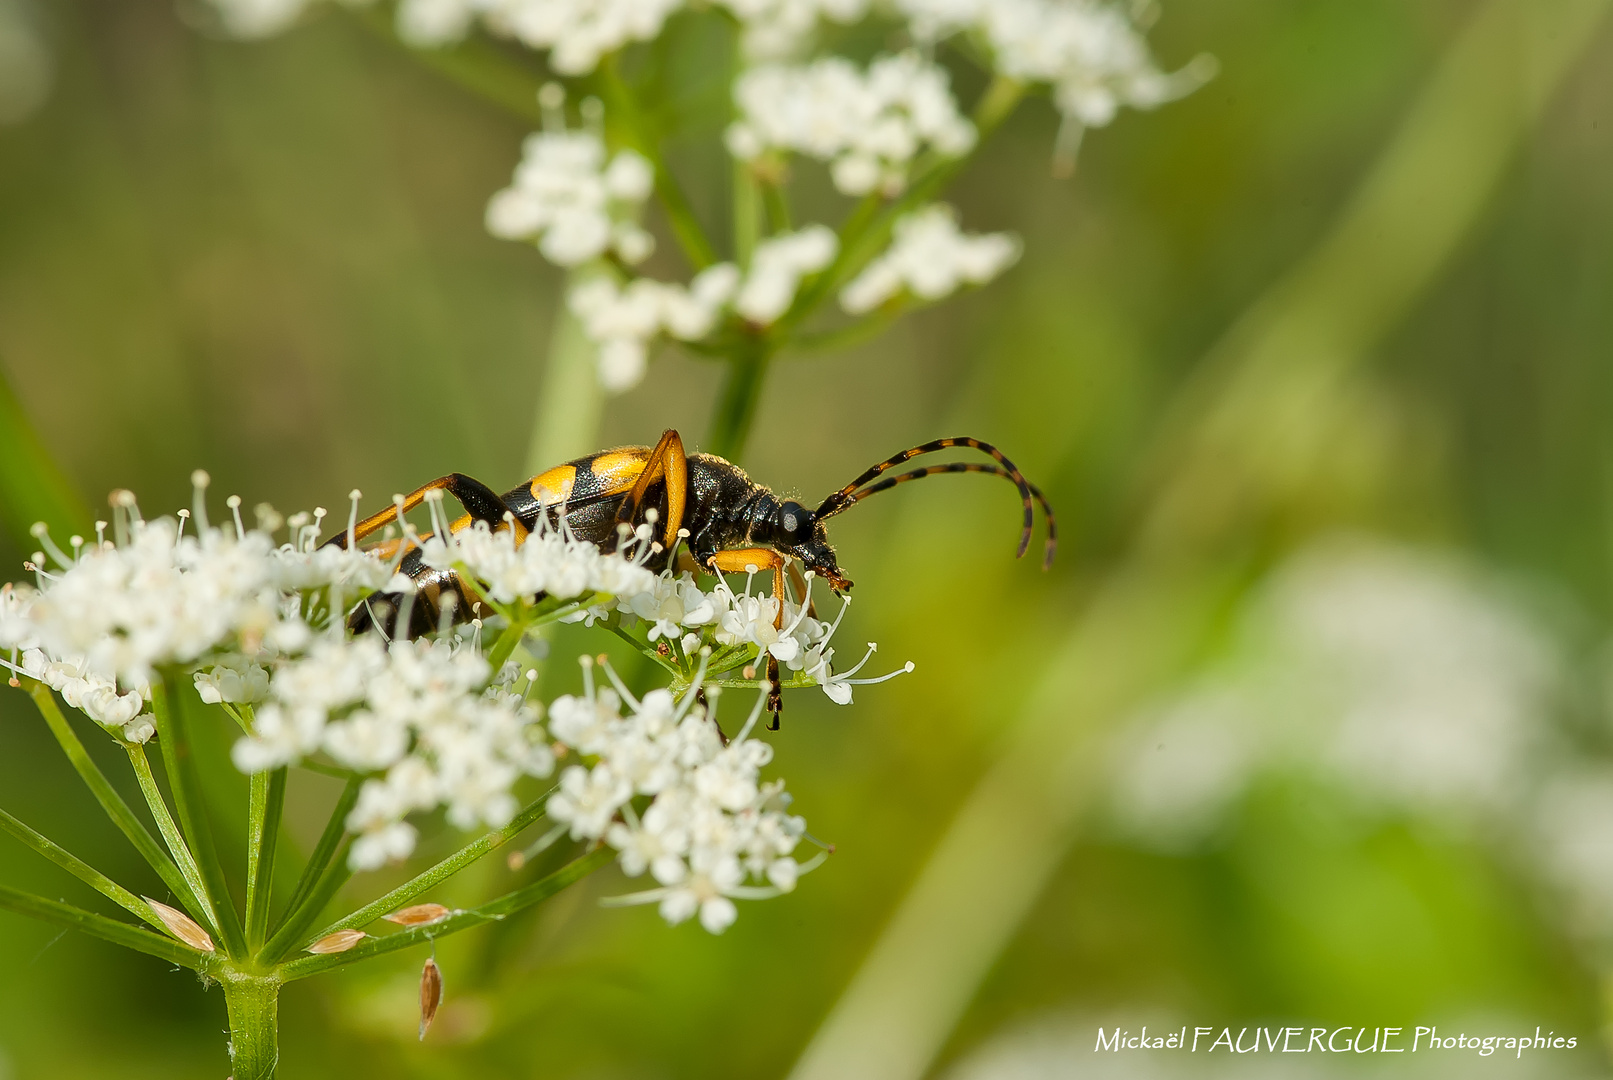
pixel 269 260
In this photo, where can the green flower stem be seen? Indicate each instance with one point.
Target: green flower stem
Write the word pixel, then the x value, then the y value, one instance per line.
pixel 130 937
pixel 624 111
pixel 253 1002
pixel 295 929
pixel 492 911
pixel 506 642
pixel 112 803
pixel 80 869
pixel 267 801
pixel 747 212
pixel 854 333
pixel 447 868
pixel 476 65
pixel 651 654
pixel 778 206
pixel 741 392
pixel 170 834
pixel 565 424
pixel 186 787
pixel 297 917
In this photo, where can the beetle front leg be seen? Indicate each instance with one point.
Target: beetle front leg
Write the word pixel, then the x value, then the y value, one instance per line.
pixel 751 560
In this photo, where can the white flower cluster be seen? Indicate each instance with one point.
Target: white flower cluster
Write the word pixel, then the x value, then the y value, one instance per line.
pixel 576 33
pixel 777 266
pixel 869 127
pixel 419 712
pixel 572 202
pixel 778 28
pixel 97 628
pixel 711 825
pixel 549 560
pixel 1091 53
pixel 679 612
pixel 930 257
pixel 624 319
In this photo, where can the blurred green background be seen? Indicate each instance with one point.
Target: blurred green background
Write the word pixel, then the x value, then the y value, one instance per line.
pixel 268 260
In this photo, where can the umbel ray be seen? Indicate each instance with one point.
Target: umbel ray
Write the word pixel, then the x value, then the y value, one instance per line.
pixel 723 521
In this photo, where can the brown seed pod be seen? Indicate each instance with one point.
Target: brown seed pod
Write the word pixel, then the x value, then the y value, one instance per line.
pixel 182 926
pixel 340 941
pixel 430 994
pixel 419 915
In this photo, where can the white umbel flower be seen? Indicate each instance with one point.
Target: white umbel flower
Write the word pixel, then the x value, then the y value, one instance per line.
pixel 624 320
pixel 573 201
pixel 780 28
pixel 929 258
pixel 578 33
pixel 868 127
pixel 421 715
pixel 710 821
pixel 777 266
pixel 1091 54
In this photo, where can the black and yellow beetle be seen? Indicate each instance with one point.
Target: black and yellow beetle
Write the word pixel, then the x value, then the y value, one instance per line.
pixel 732 523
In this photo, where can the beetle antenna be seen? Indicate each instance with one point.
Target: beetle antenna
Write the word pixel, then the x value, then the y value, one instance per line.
pixel 1029 494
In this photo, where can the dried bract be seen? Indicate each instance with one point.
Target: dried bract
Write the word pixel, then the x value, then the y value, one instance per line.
pixel 339 942
pixel 419 915
pixel 430 994
pixel 182 926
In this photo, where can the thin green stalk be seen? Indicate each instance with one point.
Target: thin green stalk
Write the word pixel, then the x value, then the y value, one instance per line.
pixel 505 645
pixel 297 923
pixel 747 212
pixel 185 785
pixel 170 832
pixel 736 407
pixel 638 647
pixel 624 110
pixel 492 911
pixel 565 424
pixel 855 333
pixel 80 869
pixel 447 868
pixel 112 803
pixel 312 874
pixel 130 937
pixel 267 801
pixel 778 206
pixel 253 1003
pixel 476 65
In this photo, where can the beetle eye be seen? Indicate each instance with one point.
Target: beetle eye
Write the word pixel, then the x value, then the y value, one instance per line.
pixel 792 518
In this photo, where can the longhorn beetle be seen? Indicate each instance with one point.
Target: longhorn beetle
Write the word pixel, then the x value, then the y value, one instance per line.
pixel 730 523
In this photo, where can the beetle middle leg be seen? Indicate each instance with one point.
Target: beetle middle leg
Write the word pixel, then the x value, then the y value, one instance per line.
pixel 666 462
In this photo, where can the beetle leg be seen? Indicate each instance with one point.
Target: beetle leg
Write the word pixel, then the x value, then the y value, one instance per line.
pixel 481 503
pixel 742 560
pixel 667 461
